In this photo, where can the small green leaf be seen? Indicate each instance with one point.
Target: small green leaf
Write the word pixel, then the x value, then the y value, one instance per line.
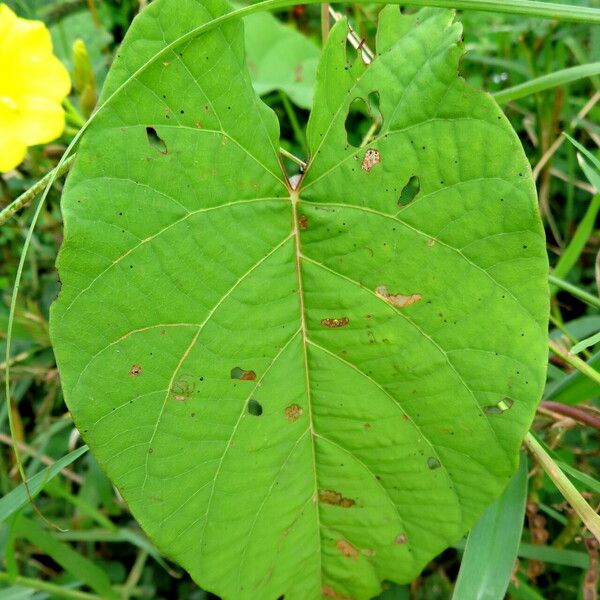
pixel 288 383
pixel 585 344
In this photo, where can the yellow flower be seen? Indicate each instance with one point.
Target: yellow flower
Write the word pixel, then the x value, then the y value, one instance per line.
pixel 33 84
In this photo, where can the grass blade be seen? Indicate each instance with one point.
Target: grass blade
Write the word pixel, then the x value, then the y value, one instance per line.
pixel 545 10
pixel 575 291
pixel 492 545
pixel 586 343
pixel 73 562
pixel 56 591
pixel 17 498
pixel 573 251
pixel 584 151
pixel 546 82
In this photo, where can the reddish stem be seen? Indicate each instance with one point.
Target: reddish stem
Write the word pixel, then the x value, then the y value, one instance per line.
pixel 572 411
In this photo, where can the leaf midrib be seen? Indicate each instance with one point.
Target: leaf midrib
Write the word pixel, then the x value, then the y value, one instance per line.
pixel 295 199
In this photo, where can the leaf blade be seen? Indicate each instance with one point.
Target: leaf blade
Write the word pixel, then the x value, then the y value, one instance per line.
pixel 493 544
pixel 203 357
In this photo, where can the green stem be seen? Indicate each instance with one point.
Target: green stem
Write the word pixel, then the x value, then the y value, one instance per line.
pixel 26 197
pixel 575 362
pixel 369 135
pixel 293 158
pixel 134 575
pixel 546 82
pixel 45 586
pixel 291 114
pixel 72 114
pixel 545 10
pixel 564 485
pixel 575 291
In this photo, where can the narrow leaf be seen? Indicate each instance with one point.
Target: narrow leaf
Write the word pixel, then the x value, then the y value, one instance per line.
pixel 586 343
pixel 546 82
pixel 73 562
pixel 572 252
pixel 491 550
pixel 17 498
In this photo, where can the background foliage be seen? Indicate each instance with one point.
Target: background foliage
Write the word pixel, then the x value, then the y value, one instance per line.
pixel 92 543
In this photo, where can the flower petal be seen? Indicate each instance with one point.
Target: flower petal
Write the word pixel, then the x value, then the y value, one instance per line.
pixel 12 153
pixel 40 120
pixel 27 64
pixel 7 18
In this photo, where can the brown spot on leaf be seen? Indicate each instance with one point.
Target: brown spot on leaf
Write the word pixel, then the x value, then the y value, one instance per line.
pixel 303 222
pixel 335 323
pixel 430 242
pixel 183 389
pixel 398 300
pixel 329 592
pixel 367 425
pixel 372 158
pixel 293 412
pixel 135 371
pixel 198 125
pixel 335 499
pixel 401 539
pixel 298 73
pixel 238 373
pixel 347 549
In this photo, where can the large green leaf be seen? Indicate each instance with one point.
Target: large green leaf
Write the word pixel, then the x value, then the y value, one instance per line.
pixel 301 391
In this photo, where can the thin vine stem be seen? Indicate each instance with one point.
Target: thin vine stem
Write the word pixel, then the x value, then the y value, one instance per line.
pixel 293 158
pixel 27 196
